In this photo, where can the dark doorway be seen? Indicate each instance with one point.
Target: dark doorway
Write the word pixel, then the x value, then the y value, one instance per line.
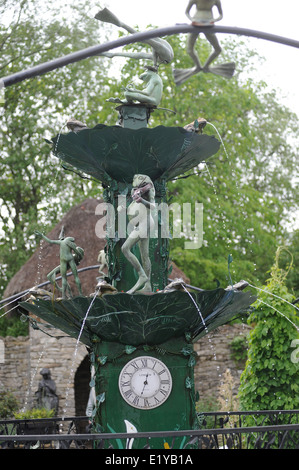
pixel 82 379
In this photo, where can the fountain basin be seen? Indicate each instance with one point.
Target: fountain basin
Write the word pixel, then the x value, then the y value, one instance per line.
pixel 140 319
pixel 109 153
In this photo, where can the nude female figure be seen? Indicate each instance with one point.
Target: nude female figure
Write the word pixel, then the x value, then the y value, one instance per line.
pixel 143 194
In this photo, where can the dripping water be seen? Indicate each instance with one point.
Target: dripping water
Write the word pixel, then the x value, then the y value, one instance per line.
pixel 48 196
pixel 274 308
pixel 218 133
pixel 241 204
pixel 206 329
pixel 75 355
pixel 32 378
pixel 274 295
pixel 11 302
pixel 282 314
pixel 197 308
pixel 59 134
pixel 215 192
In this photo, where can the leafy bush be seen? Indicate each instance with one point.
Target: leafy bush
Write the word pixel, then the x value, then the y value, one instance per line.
pixel 239 348
pixel 270 380
pixel 8 404
pixel 13 327
pixel 35 413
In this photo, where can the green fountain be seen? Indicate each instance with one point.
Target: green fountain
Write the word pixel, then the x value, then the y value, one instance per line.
pixel 139 328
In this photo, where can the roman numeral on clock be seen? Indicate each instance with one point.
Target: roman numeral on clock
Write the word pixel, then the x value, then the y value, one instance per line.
pixel 128 393
pixel 126 384
pixel 135 401
pixel 144 362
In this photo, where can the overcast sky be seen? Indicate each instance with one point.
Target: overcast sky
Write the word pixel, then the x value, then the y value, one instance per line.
pixel 271 16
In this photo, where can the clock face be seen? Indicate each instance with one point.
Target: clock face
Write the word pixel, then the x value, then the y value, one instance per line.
pixel 145 382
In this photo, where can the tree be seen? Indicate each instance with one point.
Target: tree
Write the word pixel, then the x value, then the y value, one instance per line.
pixel 270 380
pixel 32 180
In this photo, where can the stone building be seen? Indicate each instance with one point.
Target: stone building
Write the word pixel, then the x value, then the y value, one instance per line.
pixel 24 357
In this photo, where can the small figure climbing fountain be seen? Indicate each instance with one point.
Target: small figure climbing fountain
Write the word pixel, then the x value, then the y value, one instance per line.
pixel 138 328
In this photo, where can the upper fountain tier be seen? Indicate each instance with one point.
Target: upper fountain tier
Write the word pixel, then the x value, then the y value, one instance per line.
pixel 109 153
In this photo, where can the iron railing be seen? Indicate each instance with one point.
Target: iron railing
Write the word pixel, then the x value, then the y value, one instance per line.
pixel 231 430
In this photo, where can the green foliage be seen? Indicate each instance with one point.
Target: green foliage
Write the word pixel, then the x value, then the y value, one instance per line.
pixel 292 280
pixel 207 404
pixel 13 327
pixel 270 380
pixel 8 404
pixel 35 413
pixel 31 178
pixel 239 347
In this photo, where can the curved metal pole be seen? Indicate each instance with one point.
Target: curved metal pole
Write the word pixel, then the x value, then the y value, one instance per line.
pixel 88 268
pixel 138 37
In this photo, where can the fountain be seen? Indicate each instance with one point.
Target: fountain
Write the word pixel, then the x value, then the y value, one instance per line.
pixel 138 328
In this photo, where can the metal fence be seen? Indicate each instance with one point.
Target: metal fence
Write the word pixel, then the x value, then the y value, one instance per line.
pixel 231 430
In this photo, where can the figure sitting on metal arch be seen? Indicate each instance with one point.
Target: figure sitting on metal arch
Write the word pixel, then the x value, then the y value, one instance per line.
pixel 203 17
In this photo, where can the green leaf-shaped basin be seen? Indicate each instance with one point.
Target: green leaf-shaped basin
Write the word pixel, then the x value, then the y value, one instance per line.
pixel 142 319
pixel 113 152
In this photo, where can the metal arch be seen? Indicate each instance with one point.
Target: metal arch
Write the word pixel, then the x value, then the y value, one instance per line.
pixel 138 37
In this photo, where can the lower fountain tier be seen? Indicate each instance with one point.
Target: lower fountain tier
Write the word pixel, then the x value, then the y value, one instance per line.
pixel 142 319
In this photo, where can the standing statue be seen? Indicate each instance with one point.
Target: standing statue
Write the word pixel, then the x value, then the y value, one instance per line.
pixel 203 17
pixel 143 193
pixel 46 394
pixel 162 52
pixel 70 257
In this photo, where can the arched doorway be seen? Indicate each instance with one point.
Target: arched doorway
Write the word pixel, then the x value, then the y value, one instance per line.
pixel 82 379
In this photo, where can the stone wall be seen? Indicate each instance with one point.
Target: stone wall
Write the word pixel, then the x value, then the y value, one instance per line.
pixel 62 356
pixel 214 357
pixel 15 365
pixel 24 357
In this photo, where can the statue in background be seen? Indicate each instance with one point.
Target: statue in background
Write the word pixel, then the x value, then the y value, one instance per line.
pixel 143 195
pixel 70 256
pixel 203 17
pixel 46 394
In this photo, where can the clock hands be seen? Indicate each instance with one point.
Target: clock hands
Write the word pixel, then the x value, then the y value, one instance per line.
pixel 145 383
